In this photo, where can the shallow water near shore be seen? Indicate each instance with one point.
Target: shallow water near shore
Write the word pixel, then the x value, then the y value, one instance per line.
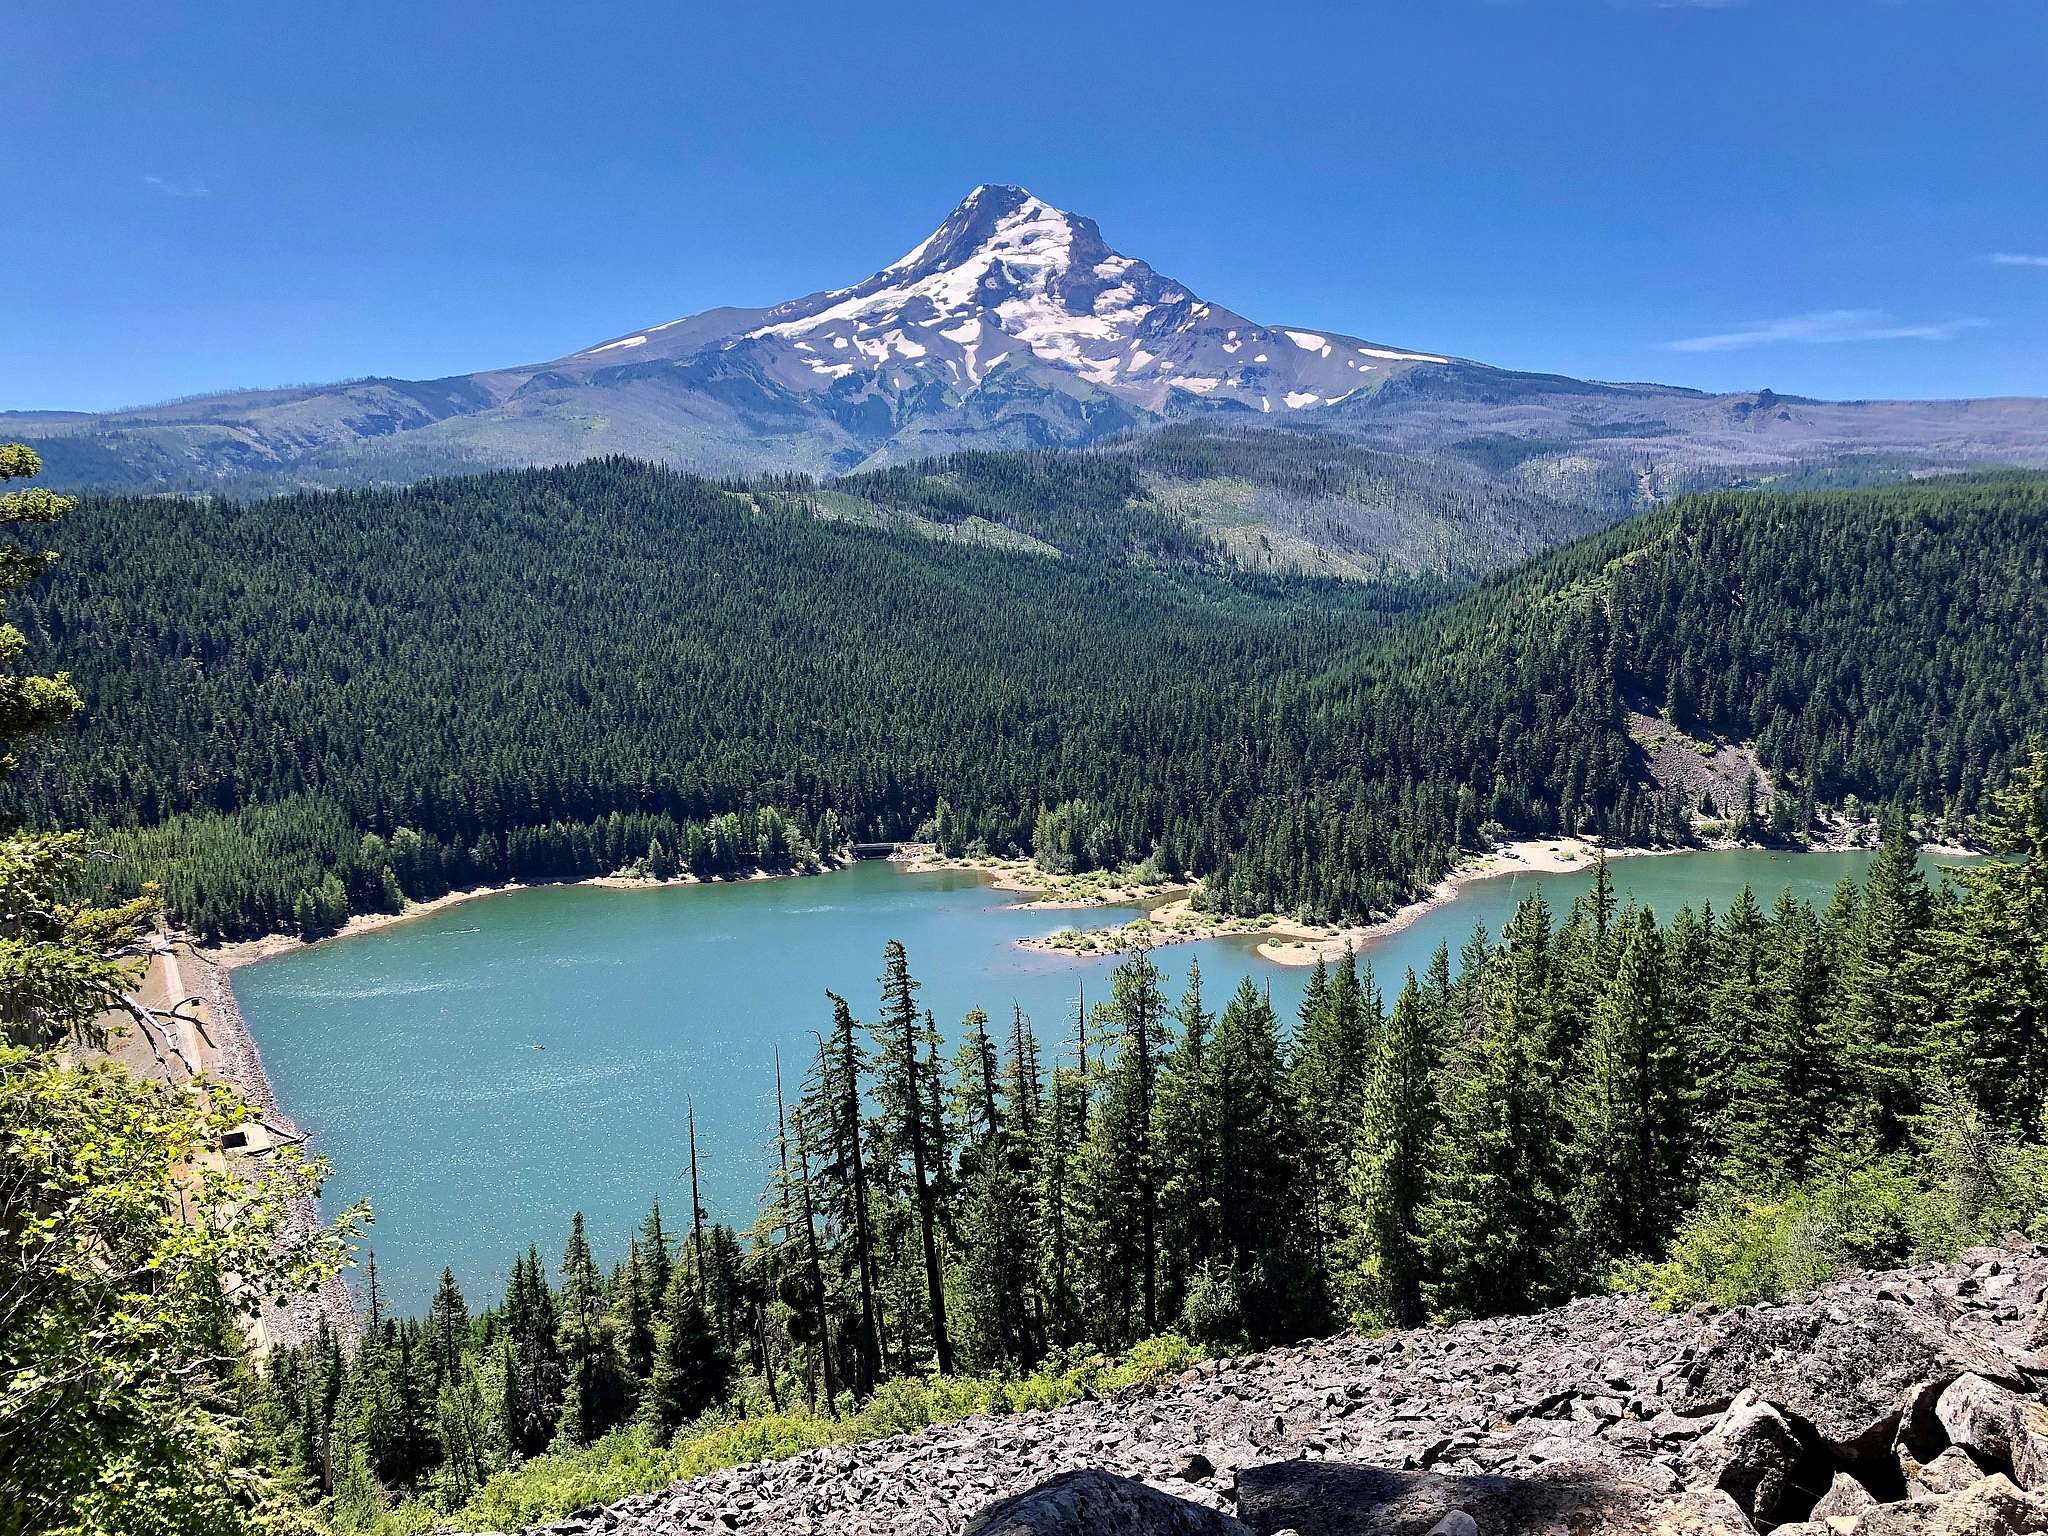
pixel 481 1072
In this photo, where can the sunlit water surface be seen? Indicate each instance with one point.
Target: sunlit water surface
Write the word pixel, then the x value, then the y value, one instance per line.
pixel 483 1071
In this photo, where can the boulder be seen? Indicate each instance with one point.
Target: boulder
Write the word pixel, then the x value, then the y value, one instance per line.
pixel 1749 1454
pixel 1979 1414
pixel 1089 1503
pixel 1992 1506
pixel 2000 1426
pixel 1843 1365
pixel 1951 1472
pixel 1845 1498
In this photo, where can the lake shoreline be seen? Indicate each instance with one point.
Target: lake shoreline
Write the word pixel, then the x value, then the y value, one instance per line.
pixel 1285 941
pixel 234 953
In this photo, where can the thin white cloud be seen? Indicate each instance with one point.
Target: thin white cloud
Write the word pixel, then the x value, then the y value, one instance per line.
pixel 2015 259
pixel 1824 327
pixel 177 186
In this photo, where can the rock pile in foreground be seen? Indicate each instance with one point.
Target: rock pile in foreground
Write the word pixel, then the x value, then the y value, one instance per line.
pixel 1896 1404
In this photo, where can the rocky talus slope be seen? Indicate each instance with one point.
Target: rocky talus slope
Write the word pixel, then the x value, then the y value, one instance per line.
pixel 1889 1404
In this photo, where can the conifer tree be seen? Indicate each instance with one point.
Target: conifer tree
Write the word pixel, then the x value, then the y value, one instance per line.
pixel 1060 1208
pixel 533 1376
pixel 597 1390
pixel 1190 1185
pixel 908 1094
pixel 1258 1148
pixel 809 1299
pixel 1383 1253
pixel 1495 1208
pixel 692 1369
pixel 1993 950
pixel 1627 1127
pixel 1023 1091
pixel 833 1127
pixel 1887 1005
pixel 633 1322
pixel 657 1256
pixel 1121 1177
pixel 1327 1081
pixel 447 1329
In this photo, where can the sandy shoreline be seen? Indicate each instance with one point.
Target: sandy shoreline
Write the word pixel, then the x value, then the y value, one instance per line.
pixel 1284 941
pixel 236 1061
pixel 1535 856
pixel 233 953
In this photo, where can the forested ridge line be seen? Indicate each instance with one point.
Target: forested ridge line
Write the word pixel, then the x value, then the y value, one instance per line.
pixel 543 673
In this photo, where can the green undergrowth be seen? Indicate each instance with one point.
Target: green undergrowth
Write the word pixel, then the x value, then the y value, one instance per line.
pixel 632 1461
pixel 1743 1246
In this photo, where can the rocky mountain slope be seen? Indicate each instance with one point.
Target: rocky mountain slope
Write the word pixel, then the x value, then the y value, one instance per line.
pixel 1882 1405
pixel 1013 325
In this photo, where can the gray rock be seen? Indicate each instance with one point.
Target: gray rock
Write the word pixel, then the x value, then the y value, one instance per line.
pixel 1951 1472
pixel 1843 1368
pixel 1992 1506
pixel 1091 1503
pixel 1749 1454
pixel 1502 1420
pixel 1979 1414
pixel 1845 1498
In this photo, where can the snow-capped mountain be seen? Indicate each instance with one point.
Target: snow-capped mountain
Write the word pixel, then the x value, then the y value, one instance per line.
pixel 1009 281
pixel 1014 324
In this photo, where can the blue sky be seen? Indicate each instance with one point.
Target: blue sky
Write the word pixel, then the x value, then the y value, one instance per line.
pixel 1805 194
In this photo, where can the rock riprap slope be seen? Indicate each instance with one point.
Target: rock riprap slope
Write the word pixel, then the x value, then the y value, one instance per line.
pixel 1882 1405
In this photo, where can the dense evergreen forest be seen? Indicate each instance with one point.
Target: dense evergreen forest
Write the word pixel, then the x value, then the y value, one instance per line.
pixel 553 672
pixel 1720 1105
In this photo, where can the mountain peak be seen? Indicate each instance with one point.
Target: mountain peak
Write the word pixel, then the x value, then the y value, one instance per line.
pixel 1010 282
pixel 998 216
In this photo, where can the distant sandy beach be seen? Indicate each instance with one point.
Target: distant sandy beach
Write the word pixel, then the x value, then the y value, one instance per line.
pixel 238 952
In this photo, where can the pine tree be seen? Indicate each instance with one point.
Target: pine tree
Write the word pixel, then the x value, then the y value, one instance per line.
pixel 1258 1146
pixel 1494 1210
pixel 809 1300
pixel 1993 951
pixel 1023 1091
pixel 1887 1005
pixel 1120 1178
pixel 832 1126
pixel 908 1094
pixel 597 1390
pixel 692 1370
pixel 1383 1253
pixel 1190 1184
pixel 1628 1131
pixel 657 1257
pixel 1060 1206
pixel 633 1321
pixel 447 1330
pixel 533 1377
pixel 1327 1081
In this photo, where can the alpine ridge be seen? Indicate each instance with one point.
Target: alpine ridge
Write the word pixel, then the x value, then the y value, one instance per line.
pixel 1013 325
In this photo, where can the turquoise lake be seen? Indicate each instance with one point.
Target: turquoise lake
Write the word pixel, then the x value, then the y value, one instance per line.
pixel 409 1052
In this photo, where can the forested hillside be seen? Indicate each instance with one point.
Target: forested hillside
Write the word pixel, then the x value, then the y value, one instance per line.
pixel 1255 498
pixel 549 672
